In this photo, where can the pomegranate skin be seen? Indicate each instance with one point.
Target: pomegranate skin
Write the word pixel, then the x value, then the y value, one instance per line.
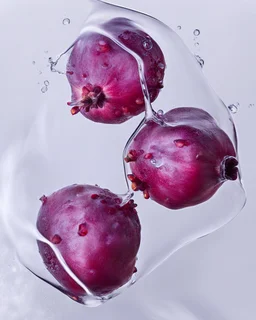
pixel 182 164
pixel 97 238
pixel 104 78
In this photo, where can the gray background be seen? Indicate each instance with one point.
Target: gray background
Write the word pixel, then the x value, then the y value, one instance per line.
pixel 213 278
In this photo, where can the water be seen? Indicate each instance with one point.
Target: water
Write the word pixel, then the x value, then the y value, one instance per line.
pixel 196 32
pixel 200 60
pixel 234 107
pixel 66 21
pixel 59 150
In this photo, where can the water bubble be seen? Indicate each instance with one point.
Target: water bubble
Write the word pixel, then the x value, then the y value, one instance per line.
pixel 179 27
pixel 196 32
pixel 234 107
pixel 153 161
pixel 147 44
pixel 196 44
pixel 66 21
pixel 200 60
pixel 46 83
pixel 44 89
pixel 160 65
pixel 160 112
pixel 156 163
pixel 33 62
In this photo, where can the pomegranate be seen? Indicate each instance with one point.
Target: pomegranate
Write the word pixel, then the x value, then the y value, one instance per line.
pixel 97 237
pixel 183 163
pixel 104 78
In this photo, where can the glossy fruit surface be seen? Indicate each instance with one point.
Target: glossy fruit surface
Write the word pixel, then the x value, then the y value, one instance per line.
pixel 104 78
pixel 184 162
pixel 98 238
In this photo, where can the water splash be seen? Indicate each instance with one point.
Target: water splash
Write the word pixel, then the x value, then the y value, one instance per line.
pixel 186 86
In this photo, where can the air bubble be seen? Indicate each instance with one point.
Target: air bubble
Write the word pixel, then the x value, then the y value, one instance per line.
pixel 179 27
pixel 46 82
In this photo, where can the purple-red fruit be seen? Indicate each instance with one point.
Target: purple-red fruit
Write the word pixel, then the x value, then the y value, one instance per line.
pixel 183 163
pixel 104 78
pixel 97 237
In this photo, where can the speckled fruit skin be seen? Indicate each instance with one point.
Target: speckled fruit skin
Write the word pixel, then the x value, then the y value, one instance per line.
pixel 104 78
pixel 182 164
pixel 97 238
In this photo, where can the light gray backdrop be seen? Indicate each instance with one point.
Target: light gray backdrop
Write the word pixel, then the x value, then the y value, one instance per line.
pixel 211 279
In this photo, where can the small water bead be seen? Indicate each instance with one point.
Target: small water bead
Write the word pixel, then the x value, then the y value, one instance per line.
pixel 196 32
pixel 179 27
pixel 46 83
pixel 196 44
pixel 147 44
pixel 161 65
pixel 199 60
pixel 33 62
pixel 44 89
pixel 156 163
pixel 251 105
pixel 160 112
pixel 66 21
pixel 234 107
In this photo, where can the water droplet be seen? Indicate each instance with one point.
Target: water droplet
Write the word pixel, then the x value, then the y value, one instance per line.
pixel 44 89
pixel 46 83
pixel 147 44
pixel 234 107
pixel 153 161
pixel 196 44
pixel 179 27
pixel 200 60
pixel 33 62
pixel 196 32
pixel 160 65
pixel 66 21
pixel 160 112
pixel 251 105
pixel 82 229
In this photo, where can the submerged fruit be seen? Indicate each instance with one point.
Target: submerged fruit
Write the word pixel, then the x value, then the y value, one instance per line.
pixel 104 78
pixel 97 237
pixel 183 163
